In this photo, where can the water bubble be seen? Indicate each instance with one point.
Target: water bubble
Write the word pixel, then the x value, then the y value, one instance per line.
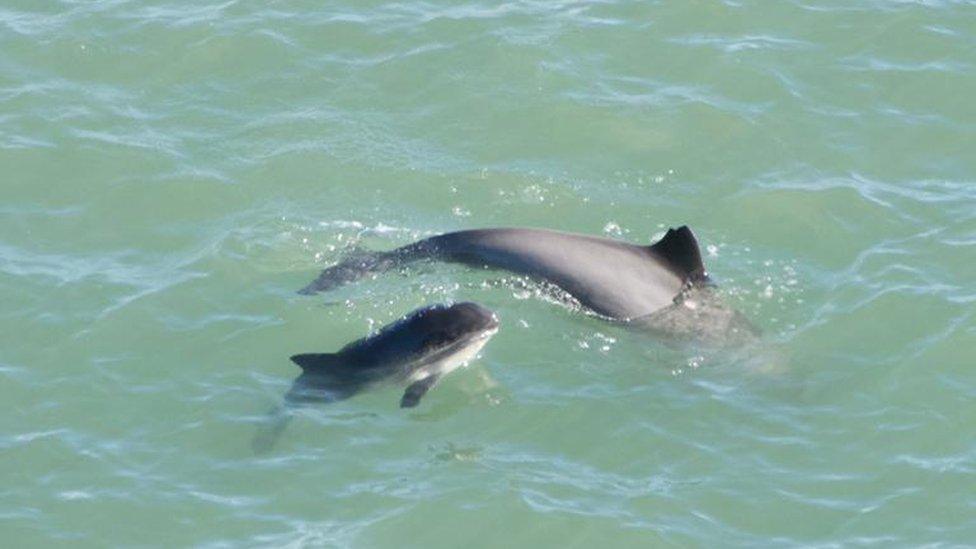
pixel 521 294
pixel 612 229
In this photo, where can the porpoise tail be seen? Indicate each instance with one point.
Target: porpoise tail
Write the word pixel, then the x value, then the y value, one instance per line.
pixel 271 428
pixel 328 390
pixel 366 264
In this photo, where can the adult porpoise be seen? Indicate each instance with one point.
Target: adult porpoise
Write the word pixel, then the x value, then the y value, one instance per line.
pixel 663 287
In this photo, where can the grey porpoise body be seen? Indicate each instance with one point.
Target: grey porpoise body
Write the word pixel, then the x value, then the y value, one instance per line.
pixel 661 288
pixel 417 351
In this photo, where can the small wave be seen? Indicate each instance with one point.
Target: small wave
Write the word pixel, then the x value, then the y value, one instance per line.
pixel 733 44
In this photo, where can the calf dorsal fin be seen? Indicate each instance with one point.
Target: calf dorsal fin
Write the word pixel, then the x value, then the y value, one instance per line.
pixel 312 363
pixel 679 249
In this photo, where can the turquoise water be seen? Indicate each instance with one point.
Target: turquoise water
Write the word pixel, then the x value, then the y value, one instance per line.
pixel 171 172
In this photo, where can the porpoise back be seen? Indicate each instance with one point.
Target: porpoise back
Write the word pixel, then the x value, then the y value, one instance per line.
pixel 661 288
pixel 613 278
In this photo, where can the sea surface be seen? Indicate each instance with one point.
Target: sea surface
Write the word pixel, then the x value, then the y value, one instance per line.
pixel 171 172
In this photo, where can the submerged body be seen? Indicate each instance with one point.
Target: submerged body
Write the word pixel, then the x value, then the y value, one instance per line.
pixel 417 351
pixel 662 287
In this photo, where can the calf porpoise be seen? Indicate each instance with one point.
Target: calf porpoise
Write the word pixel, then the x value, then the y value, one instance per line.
pixel 416 351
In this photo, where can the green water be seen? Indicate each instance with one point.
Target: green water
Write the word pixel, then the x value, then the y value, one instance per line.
pixel 171 172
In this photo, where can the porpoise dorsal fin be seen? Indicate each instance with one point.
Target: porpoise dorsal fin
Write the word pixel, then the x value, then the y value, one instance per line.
pixel 311 363
pixel 679 249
